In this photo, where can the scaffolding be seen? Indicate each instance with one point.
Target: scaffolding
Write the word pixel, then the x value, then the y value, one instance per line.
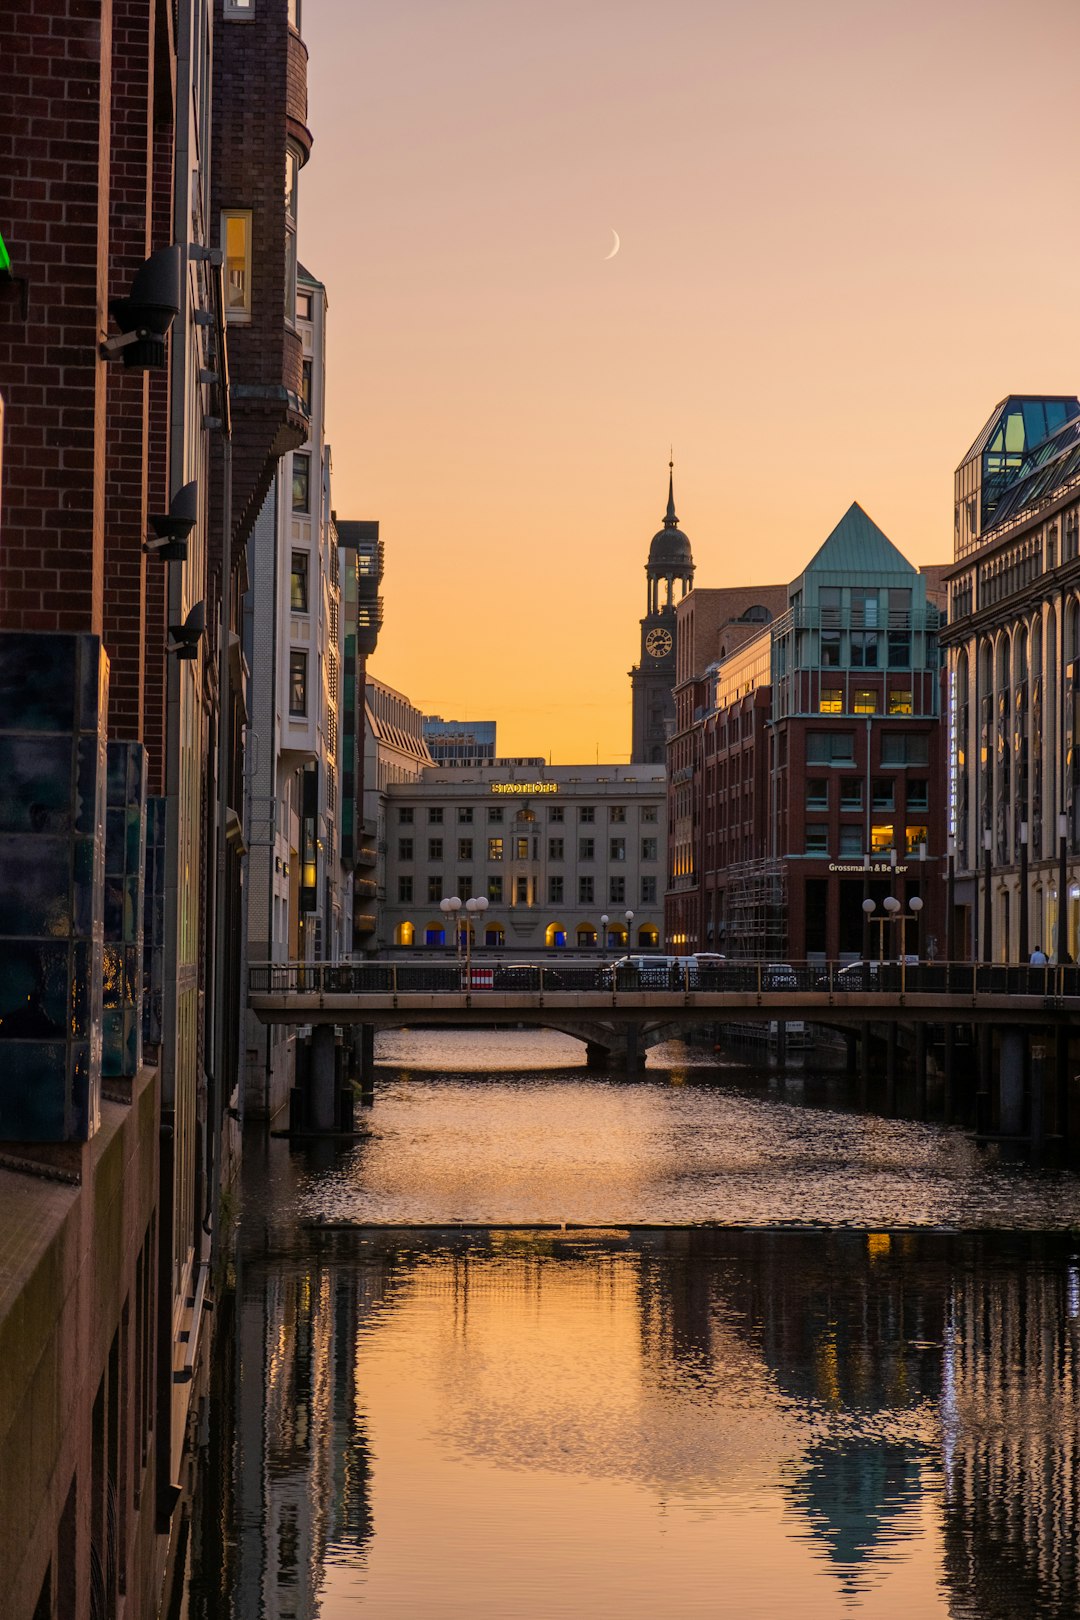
pixel 755 910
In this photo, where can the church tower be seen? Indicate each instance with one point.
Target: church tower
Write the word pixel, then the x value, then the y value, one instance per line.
pixel 652 680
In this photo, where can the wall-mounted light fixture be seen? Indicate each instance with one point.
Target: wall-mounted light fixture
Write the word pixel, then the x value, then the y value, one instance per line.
pixel 172 528
pixel 147 313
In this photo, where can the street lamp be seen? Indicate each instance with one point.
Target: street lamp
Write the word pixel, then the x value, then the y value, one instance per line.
pixel 1063 891
pixel 450 908
pixel 1023 891
pixel 629 938
pixel 950 901
pixel 915 905
pixel 602 941
pixel 475 906
pixel 988 910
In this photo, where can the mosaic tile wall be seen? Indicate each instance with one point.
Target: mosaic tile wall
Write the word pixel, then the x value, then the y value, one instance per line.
pixel 53 705
pixel 125 841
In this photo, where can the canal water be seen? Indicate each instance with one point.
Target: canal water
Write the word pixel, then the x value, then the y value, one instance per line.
pixel 544 1345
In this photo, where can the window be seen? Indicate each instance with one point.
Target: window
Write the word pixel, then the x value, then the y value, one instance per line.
pixel 851 841
pixel 495 849
pixel 914 836
pixel 881 839
pixel 851 793
pixel 239 8
pixel 521 849
pixel 817 793
pixel 649 813
pixel 829 603
pixel 905 748
pixel 305 385
pixel 830 649
pixel 495 889
pixel 434 849
pixel 585 891
pixel 521 891
pixel 899 649
pixel 918 794
pixel 292 177
pixel 557 813
pixel 829 747
pixel 648 891
pixel 817 838
pixel 495 813
pixel 236 247
pixel 618 812
pixel 405 815
pixel 900 702
pixel 587 812
pixel 464 815
pixel 899 604
pixel 617 891
pixel 294 14
pixel 617 849
pixel 464 851
pixel 404 891
pixel 864 701
pixel 883 794
pixel 586 849
pixel 831 700
pixel 404 849
pixel 555 891
pixel 555 849
pixel 464 886
pixel 434 889
pixel 303 306
pixel 298 600
pixel 435 815
pixel 648 849
pixel 864 649
pixel 864 606
pixel 298 683
pixel 301 481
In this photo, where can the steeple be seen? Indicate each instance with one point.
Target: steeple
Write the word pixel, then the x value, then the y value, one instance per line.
pixel 670 520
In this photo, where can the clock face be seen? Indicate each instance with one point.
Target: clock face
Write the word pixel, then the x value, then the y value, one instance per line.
pixel 658 643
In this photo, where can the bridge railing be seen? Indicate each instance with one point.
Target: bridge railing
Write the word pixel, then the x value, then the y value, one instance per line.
pixel 779 979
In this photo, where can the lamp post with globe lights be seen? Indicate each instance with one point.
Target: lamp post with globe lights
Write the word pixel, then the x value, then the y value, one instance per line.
pixel 629 936
pixel 476 906
pixel 601 938
pixel 450 907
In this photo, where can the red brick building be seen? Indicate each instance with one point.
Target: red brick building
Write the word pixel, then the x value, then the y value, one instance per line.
pixel 807 771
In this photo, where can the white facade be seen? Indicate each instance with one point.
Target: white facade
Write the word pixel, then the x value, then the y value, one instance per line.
pixel 555 849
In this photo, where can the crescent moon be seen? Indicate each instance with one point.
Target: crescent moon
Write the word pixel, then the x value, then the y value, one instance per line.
pixel 616 247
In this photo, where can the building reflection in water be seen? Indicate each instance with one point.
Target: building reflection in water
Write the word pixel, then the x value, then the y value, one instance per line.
pixel 886 1404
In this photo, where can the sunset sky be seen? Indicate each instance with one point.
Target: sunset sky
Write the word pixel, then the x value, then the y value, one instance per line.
pixel 848 228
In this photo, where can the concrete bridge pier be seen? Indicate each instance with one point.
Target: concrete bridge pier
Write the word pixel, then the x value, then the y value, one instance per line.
pixel 596 1056
pixel 920 1071
pixel 634 1054
pixel 1061 1084
pixel 323 1079
pixel 892 1044
pixel 366 1056
pixel 1012 1061
pixel 1037 1106
pixel 950 1074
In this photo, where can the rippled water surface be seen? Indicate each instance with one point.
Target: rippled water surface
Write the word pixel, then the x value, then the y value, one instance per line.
pixel 528 1422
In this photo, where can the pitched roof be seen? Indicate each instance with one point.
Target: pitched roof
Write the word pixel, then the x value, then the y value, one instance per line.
pixel 858 546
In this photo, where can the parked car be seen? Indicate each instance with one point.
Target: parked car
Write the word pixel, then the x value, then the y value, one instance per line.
pixel 648 972
pixel 852 976
pixel 779 976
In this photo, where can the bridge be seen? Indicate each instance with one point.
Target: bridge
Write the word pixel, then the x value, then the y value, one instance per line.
pixel 1012 1012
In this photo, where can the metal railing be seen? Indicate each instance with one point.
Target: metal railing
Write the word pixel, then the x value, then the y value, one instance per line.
pixel 779 979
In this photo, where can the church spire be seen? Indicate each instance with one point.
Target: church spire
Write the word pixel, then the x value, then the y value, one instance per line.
pixel 670 520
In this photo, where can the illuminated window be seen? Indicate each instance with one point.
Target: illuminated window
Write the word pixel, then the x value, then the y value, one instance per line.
pixel 915 835
pixel 236 246
pixel 495 850
pixel 831 700
pixel 305 385
pixel 900 702
pixel 881 839
pixel 521 847
pixel 864 701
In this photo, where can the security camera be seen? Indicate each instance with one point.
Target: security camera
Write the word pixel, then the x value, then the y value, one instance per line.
pixel 184 638
pixel 171 528
pixel 146 314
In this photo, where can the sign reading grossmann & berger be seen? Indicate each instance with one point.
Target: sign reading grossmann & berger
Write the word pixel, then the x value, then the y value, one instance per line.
pixel 862 866
pixel 524 787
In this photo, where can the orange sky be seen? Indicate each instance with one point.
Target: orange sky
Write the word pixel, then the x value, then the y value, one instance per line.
pixel 847 230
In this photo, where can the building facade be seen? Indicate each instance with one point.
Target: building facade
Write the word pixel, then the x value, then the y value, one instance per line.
pixel 1013 677
pixel 568 857
pixel 361 564
pixel 669 574
pixel 460 742
pixel 803 773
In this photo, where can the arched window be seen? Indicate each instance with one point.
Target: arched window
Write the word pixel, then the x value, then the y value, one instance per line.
pixel 586 937
pixel 494 934
pixel 434 934
pixel 555 936
pixel 404 934
pixel 648 936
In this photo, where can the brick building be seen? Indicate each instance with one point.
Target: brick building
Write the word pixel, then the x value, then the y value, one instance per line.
pixel 807 771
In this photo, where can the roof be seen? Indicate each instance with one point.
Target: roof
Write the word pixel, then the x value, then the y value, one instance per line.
pixel 858 546
pixel 1045 470
pixel 1027 419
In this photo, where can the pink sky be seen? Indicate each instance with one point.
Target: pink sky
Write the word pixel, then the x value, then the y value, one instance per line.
pixel 848 228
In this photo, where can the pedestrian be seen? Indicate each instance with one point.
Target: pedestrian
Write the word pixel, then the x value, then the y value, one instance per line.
pixel 1038 957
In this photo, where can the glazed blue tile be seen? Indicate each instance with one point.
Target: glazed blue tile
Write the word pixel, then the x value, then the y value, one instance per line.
pixel 35 784
pixel 31 1099
pixel 33 990
pixel 35 879
pixel 37 681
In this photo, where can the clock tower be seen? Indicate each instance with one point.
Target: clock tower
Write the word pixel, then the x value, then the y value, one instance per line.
pixel 669 573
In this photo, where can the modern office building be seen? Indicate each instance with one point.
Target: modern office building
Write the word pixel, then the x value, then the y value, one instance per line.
pixel 460 742
pixel 567 856
pixel 669 574
pixel 802 773
pixel 1013 644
